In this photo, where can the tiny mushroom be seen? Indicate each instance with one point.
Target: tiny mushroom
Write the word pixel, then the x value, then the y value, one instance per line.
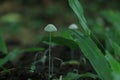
pixel 73 26
pixel 50 28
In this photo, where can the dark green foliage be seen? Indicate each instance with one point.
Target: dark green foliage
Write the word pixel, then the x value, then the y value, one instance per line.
pixel 94 55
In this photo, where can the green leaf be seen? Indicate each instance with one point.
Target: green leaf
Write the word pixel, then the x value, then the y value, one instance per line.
pixel 3 47
pixel 94 55
pixel 71 76
pixel 89 75
pixel 65 33
pixel 32 68
pixel 77 8
pixel 72 62
pixel 75 76
pixel 114 18
pixel 13 55
pixel 62 41
pixel 116 48
pixel 10 57
pixel 115 66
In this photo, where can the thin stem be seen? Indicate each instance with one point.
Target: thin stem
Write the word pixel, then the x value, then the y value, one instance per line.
pixel 49 70
pixel 52 67
pixel 36 56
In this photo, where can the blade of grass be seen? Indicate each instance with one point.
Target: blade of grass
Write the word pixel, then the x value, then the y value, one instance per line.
pixel 3 47
pixel 10 57
pixel 114 18
pixel 88 46
pixel 94 55
pixel 75 76
pixel 115 66
pixel 116 48
pixel 77 8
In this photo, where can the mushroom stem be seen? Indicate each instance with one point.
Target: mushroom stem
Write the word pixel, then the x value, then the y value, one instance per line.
pixel 49 72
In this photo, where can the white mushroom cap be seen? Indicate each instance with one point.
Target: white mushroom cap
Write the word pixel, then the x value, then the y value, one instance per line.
pixel 50 28
pixel 73 26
